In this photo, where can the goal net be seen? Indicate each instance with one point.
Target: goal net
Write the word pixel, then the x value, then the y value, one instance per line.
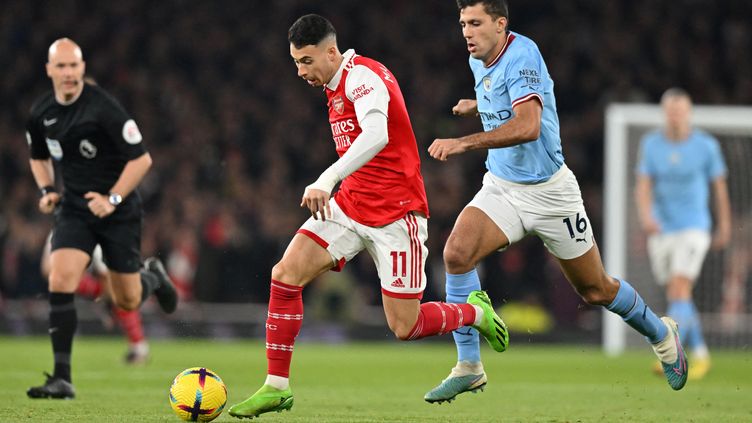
pixel 722 289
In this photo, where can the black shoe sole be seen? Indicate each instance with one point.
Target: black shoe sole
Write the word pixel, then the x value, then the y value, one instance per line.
pixel 43 395
pixel 63 397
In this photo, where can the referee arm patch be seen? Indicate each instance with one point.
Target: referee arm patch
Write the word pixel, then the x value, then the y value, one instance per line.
pixel 131 134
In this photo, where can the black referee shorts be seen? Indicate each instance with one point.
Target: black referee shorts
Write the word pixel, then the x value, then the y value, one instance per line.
pixel 120 240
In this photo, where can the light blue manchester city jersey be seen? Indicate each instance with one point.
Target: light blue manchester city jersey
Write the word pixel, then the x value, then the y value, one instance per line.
pixel 681 172
pixel 517 75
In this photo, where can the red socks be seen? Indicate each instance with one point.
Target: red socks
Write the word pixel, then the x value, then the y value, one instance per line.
pixel 436 318
pixel 130 321
pixel 285 317
pixel 89 287
pixel 283 324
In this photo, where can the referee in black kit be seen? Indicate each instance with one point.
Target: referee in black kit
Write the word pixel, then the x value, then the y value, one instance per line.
pixel 102 159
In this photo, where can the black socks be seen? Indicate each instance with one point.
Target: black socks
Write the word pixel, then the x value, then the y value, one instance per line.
pixel 63 322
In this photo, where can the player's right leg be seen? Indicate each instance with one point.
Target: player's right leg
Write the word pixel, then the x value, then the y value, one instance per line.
pixel 682 310
pixel 67 265
pixel 475 235
pixel 128 320
pixel 305 258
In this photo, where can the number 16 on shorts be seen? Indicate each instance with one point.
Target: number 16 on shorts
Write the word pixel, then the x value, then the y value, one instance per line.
pixel 577 227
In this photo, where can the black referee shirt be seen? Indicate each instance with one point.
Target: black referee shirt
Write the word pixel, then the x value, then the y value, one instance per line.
pixel 91 140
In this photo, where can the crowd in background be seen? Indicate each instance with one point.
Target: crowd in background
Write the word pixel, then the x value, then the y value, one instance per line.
pixel 236 136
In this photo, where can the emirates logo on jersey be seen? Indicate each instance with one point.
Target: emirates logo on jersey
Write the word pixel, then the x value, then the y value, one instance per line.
pixel 338 104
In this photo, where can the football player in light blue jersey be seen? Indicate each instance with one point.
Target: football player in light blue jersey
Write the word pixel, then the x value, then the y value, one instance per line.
pixel 516 75
pixel 527 190
pixel 676 167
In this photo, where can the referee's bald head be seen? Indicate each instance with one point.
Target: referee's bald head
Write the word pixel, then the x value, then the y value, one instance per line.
pixel 64 46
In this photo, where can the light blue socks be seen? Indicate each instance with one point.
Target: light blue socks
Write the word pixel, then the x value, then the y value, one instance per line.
pixel 630 306
pixel 458 287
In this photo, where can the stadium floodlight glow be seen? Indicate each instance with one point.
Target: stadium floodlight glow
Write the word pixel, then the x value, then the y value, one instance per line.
pixel 623 247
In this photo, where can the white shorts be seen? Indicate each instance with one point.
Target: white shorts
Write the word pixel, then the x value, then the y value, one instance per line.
pixel 398 249
pixel 552 210
pixel 678 254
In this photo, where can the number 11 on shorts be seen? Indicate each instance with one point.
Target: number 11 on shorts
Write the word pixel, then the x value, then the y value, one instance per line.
pixel 396 256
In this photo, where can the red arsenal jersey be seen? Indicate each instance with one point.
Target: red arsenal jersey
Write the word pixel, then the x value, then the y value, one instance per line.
pixel 390 185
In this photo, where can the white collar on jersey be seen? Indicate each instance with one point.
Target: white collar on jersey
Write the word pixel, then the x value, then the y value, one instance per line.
pixel 346 57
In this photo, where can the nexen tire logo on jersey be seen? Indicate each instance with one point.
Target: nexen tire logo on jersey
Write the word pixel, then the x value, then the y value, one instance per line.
pixel 131 134
pixel 87 149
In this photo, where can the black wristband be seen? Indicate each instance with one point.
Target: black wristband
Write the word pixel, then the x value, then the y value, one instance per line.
pixel 47 189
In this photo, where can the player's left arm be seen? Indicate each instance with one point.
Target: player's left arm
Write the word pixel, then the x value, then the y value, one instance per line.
pixel 722 234
pixel 370 97
pixel 130 177
pixel 717 173
pixel 523 127
pixel 133 172
pixel 124 132
pixel 524 82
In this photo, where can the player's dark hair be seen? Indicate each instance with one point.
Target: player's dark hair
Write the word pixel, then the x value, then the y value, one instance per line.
pixel 310 30
pixel 495 8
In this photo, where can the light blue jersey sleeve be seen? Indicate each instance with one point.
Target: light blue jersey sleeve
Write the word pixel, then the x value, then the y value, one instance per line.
pixel 524 76
pixel 716 165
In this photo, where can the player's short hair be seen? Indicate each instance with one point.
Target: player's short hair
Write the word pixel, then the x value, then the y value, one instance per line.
pixel 675 92
pixel 495 8
pixel 310 30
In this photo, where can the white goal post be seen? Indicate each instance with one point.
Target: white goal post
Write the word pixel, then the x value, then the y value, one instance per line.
pixel 618 180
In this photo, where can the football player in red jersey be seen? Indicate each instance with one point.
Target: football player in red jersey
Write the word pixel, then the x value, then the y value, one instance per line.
pixel 380 207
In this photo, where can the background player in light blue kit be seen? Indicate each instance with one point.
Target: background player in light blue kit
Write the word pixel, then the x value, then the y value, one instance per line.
pixel 677 165
pixel 527 190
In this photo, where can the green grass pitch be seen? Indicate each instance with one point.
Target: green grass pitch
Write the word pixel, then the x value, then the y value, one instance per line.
pixel 378 382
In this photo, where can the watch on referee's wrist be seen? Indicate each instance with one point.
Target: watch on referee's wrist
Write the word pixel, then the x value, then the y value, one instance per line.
pixel 115 199
pixel 46 190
